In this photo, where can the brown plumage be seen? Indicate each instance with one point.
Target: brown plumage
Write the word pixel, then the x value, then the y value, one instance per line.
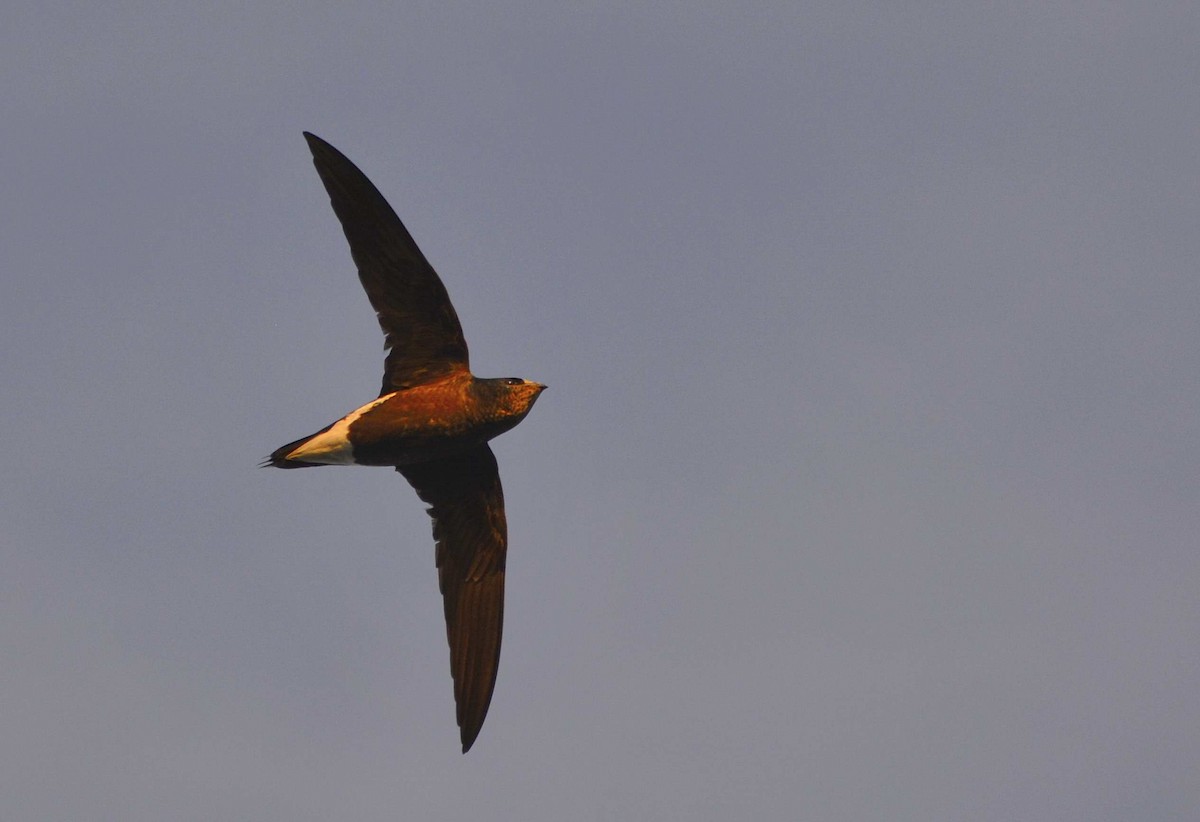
pixel 432 421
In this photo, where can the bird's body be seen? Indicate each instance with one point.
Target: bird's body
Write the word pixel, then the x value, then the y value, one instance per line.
pixel 431 422
pixel 417 424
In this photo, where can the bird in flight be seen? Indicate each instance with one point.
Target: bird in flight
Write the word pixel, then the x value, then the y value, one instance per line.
pixel 431 421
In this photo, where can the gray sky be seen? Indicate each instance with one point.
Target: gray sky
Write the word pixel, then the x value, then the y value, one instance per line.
pixel 866 486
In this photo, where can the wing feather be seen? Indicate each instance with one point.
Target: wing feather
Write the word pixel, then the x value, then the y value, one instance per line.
pixel 421 329
pixel 467 506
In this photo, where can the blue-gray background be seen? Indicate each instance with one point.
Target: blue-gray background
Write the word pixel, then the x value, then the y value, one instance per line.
pixel 866 486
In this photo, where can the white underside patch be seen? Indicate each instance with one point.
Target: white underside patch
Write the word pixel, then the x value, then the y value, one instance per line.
pixel 333 447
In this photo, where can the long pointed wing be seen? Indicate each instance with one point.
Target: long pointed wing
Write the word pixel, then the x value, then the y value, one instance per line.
pixel 423 335
pixel 467 506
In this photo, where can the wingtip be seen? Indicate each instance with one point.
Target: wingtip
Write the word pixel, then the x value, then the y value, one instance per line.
pixel 468 733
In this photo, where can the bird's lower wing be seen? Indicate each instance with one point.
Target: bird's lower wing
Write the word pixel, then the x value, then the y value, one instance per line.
pixel 467 506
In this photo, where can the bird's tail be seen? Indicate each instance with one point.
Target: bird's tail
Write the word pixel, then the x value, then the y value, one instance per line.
pixel 278 458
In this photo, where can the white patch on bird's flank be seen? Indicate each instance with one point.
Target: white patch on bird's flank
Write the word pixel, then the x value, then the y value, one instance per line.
pixel 333 447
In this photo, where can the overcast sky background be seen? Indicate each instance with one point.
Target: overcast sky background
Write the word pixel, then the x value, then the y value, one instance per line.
pixel 868 481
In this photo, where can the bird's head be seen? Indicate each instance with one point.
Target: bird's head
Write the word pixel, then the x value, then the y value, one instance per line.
pixel 510 397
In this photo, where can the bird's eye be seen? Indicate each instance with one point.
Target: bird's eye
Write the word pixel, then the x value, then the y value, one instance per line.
pixel 514 381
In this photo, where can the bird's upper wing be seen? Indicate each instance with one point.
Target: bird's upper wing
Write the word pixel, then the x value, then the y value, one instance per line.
pixel 423 335
pixel 467 506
